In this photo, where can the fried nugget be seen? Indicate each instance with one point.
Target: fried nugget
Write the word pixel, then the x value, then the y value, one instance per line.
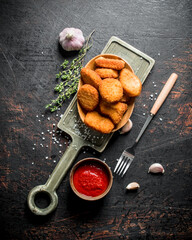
pixel 113 110
pixel 116 64
pixel 111 90
pixel 90 77
pixel 99 123
pixel 88 97
pixel 130 82
pixel 107 73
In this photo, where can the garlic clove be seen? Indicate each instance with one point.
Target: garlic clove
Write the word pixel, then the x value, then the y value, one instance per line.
pixel 156 168
pixel 127 127
pixel 133 186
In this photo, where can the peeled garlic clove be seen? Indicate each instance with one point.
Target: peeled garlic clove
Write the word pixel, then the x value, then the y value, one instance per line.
pixel 127 127
pixel 132 186
pixel 156 168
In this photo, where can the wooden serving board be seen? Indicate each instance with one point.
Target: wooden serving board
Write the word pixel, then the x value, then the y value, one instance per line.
pixel 81 135
pixel 141 64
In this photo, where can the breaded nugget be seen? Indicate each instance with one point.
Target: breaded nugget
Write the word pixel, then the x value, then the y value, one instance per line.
pixel 99 123
pixel 107 73
pixel 109 63
pixel 90 77
pixel 111 90
pixel 130 82
pixel 113 110
pixel 88 97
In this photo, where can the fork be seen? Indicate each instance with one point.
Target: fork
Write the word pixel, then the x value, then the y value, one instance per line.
pixel 128 154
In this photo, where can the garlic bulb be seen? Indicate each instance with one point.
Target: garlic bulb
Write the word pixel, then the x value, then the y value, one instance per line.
pixel 127 127
pixel 71 39
pixel 132 186
pixel 156 168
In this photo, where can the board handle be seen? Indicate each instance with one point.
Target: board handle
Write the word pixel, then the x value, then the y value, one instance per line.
pixel 164 93
pixel 53 181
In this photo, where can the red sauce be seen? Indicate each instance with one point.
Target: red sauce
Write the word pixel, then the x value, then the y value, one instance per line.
pixel 90 179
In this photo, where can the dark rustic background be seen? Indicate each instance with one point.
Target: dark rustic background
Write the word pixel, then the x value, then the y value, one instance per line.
pixel 30 57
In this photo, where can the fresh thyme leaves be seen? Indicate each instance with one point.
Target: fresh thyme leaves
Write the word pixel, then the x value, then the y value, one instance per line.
pixel 69 77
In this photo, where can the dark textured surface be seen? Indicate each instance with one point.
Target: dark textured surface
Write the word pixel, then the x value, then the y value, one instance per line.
pixel 29 59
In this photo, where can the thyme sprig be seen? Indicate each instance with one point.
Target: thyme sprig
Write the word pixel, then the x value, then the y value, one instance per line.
pixel 69 76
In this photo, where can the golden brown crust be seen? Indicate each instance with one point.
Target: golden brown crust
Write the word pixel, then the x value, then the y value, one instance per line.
pixel 111 90
pixel 88 97
pixel 109 63
pixel 113 110
pixel 130 82
pixel 99 123
pixel 90 77
pixel 107 72
pixel 115 86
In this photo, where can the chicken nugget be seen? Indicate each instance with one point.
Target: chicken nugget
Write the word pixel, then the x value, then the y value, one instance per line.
pixel 90 77
pixel 107 73
pixel 116 64
pixel 130 82
pixel 113 110
pixel 99 123
pixel 111 90
pixel 88 97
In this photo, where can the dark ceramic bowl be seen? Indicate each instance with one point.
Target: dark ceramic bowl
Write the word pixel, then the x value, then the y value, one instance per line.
pixel 97 162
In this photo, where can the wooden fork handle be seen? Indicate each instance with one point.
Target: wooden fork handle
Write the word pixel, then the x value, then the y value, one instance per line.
pixel 164 93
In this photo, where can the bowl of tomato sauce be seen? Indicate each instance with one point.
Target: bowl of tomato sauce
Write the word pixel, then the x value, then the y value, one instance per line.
pixel 91 179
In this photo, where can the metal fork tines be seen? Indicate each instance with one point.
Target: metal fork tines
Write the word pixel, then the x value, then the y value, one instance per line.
pixel 128 155
pixel 123 163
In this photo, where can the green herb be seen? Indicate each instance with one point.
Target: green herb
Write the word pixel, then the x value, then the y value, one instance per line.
pixel 69 77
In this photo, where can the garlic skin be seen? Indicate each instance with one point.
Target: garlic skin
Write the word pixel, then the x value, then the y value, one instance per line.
pixel 127 127
pixel 133 186
pixel 71 39
pixel 156 168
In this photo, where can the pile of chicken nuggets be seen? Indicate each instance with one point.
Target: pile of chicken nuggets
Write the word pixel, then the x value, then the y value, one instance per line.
pixel 106 92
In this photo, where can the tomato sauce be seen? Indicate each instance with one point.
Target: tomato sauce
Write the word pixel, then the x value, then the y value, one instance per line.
pixel 91 179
